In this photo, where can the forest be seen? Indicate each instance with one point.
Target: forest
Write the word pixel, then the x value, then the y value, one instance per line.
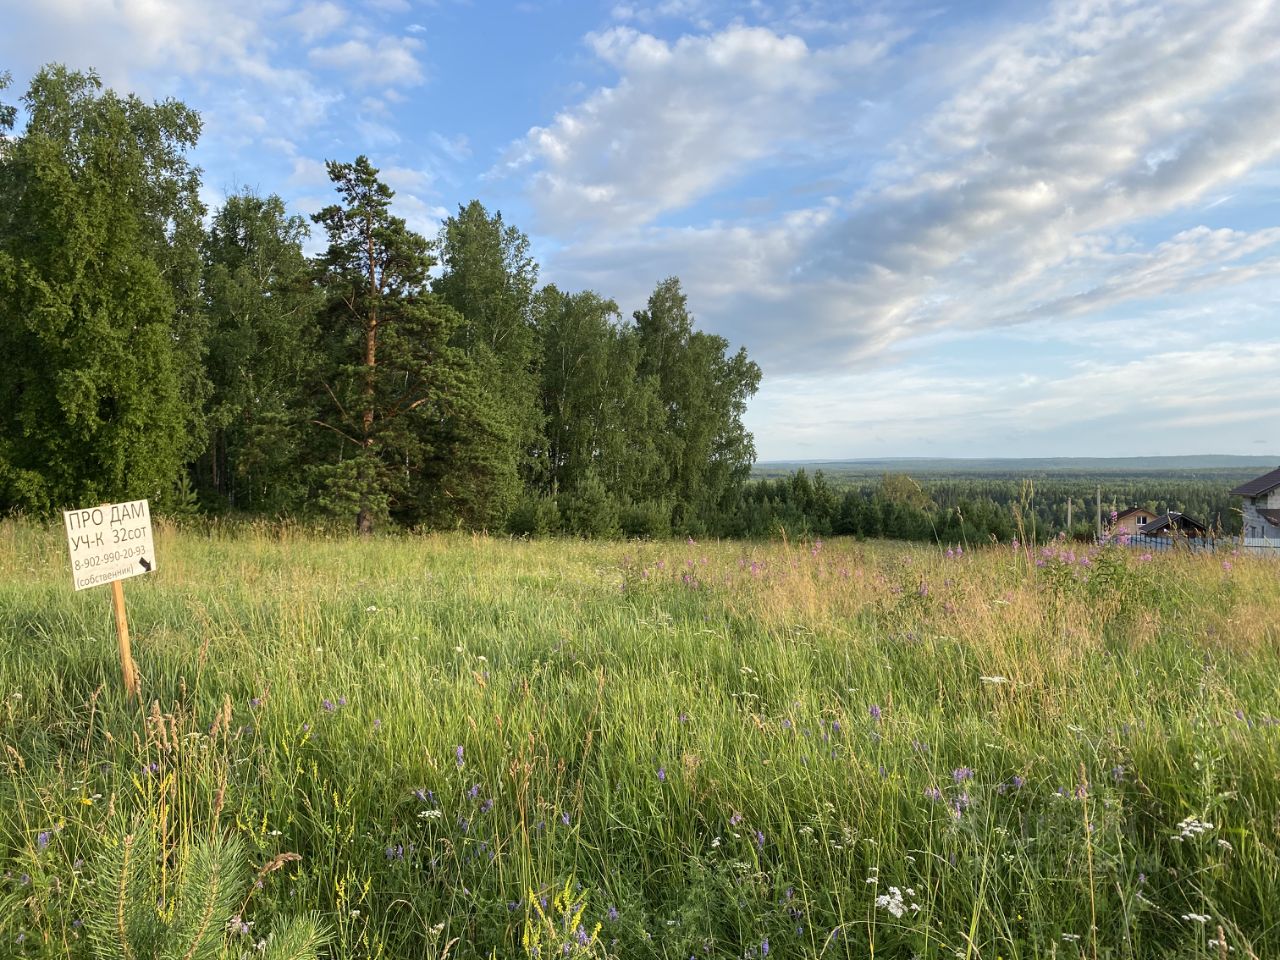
pixel 152 348
pixel 948 505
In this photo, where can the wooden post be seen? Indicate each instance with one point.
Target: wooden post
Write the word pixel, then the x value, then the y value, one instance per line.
pixel 132 685
pixel 1099 511
pixel 1069 499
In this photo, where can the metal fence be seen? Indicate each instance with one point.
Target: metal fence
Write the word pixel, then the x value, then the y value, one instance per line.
pixel 1148 544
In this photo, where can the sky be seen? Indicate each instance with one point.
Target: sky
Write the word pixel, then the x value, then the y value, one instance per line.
pixel 971 229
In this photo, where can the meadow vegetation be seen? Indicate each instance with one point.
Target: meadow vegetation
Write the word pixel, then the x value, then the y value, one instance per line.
pixel 481 747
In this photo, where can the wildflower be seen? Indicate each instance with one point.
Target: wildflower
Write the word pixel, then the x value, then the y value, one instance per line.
pixel 377 723
pixel 1190 828
pixel 458 754
pixel 1197 917
pixel 759 840
pixel 995 680
pixel 342 701
pixel 255 702
pixel 764 948
pixel 934 794
pixel 395 852
pixel 662 774
pixel 564 818
pixel 1226 565
pixel 474 791
pixel 328 705
pixel 735 819
pixel 875 712
pixel 894 902
pixel 613 913
pixel 487 805
pixel 42 840
pixel 960 774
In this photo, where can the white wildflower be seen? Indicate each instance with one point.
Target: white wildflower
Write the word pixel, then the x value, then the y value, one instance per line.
pixel 997 679
pixel 1071 937
pixel 1197 917
pixel 895 903
pixel 1190 828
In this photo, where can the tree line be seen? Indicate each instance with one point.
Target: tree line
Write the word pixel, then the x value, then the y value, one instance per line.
pixel 973 509
pixel 151 348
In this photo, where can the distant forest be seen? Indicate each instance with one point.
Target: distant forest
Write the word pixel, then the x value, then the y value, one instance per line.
pixel 953 502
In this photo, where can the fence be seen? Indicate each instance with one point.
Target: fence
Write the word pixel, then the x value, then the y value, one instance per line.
pixel 1147 544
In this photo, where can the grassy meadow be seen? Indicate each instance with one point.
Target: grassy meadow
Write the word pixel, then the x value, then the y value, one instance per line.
pixel 486 748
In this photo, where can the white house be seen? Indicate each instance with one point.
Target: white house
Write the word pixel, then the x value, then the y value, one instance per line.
pixel 1261 507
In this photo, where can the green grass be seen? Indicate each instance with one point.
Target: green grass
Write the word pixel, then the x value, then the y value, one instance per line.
pixel 683 733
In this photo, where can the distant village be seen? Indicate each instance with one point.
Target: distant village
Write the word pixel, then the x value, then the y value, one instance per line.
pixel 1260 511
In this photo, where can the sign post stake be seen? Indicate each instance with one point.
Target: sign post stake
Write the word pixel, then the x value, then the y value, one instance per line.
pixel 132 685
pixel 107 544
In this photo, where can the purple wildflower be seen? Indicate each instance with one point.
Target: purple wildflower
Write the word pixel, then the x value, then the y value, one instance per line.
pixel 342 701
pixel 328 705
pixel 875 712
pixel 487 805
pixel 934 794
pixel 564 818
pixel 255 702
pixel 764 948
pixel 662 774
pixel 42 841
pixel 961 774
pixel 759 840
pixel 474 791
pixel 458 754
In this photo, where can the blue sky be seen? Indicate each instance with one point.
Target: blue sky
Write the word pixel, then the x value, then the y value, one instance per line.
pixel 1001 229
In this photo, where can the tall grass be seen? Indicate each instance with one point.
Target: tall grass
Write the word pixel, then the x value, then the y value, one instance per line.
pixel 724 750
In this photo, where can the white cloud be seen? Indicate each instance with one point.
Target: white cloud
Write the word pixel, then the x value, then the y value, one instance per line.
pixel 316 20
pixel 387 61
pixel 1099 408
pixel 684 118
pixel 1065 179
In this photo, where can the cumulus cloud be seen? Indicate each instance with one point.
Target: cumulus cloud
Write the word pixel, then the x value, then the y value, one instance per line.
pixel 384 62
pixel 1040 189
pixel 684 117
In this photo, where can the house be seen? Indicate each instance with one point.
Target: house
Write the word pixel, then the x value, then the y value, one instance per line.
pixel 1131 521
pixel 1174 524
pixel 1261 507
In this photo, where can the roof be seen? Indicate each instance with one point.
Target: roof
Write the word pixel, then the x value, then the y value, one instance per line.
pixel 1179 521
pixel 1271 516
pixel 1132 510
pixel 1256 488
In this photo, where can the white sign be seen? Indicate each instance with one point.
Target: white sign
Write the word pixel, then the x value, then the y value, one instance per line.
pixel 109 543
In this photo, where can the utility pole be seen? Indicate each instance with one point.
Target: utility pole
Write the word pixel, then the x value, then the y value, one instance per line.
pixel 1099 511
pixel 1069 501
